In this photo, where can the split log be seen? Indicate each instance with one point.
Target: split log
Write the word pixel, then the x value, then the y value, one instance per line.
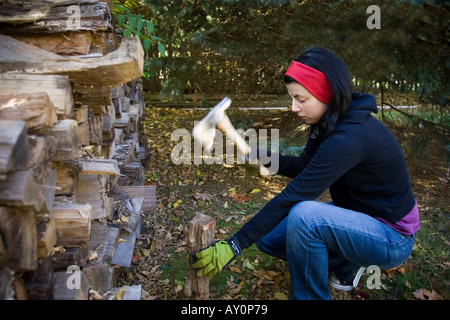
pixel 48 192
pixel 84 133
pixel 73 256
pixel 73 224
pixel 98 270
pixel 69 144
pixel 80 114
pixel 95 128
pixel 125 104
pixel 13 146
pixel 66 176
pixel 113 69
pixel 108 129
pixel 102 241
pixel 117 94
pixel 39 283
pixel 40 161
pixel 41 150
pixel 53 17
pixel 19 238
pixel 28 12
pixel 91 188
pixel 132 174
pixel 129 212
pixel 67 43
pixel 20 190
pixel 99 276
pixel 125 152
pixel 46 231
pixel 63 291
pixel 108 151
pixel 19 288
pixel 126 293
pixel 36 109
pixel 146 192
pixel 119 135
pixel 99 167
pixel 96 97
pixel 128 122
pixel 7 291
pixel 57 88
pixel 201 234
pixel 95 178
pixel 124 249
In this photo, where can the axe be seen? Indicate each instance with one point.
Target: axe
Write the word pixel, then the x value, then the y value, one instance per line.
pixel 204 132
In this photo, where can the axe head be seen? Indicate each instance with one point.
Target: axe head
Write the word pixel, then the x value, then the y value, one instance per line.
pixel 205 131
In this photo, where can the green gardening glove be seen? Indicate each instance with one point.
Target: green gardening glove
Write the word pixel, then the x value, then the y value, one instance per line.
pixel 216 257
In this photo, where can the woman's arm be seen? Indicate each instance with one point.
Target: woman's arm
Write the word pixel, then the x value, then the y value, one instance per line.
pixel 332 159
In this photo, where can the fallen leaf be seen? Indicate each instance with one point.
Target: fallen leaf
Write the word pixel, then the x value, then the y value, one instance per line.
pixel 408 267
pixel 424 294
pixel 178 288
pixel 280 296
pixel 401 270
pixel 122 240
pixel 247 264
pixel 94 295
pixel 124 219
pixel 202 196
pixel 390 272
pixel 119 294
pixel 407 284
pixel 181 249
pixel 235 269
pixel 237 197
pixel 255 191
pixel 273 274
pixel 136 258
pixel 58 249
pixel 433 295
pixel 93 256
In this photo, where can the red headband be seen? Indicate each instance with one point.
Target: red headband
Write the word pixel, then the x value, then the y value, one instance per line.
pixel 312 79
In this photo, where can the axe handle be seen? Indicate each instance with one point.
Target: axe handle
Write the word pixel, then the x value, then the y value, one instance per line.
pixel 227 127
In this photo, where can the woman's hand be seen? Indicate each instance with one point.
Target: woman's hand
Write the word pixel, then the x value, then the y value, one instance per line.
pixel 215 258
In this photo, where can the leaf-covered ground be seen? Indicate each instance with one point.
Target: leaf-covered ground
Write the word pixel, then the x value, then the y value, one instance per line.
pixel 232 194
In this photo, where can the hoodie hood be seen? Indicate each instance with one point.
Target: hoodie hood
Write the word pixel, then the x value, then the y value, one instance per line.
pixel 361 105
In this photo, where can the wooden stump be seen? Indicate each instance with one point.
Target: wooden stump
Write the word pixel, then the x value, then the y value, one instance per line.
pixel 201 234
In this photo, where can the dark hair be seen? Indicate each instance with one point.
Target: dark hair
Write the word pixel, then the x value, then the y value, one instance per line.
pixel 339 78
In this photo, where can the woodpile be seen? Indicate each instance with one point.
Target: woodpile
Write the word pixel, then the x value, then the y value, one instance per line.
pixel 72 150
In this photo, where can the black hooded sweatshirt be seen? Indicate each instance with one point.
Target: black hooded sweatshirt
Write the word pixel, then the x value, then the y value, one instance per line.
pixel 361 163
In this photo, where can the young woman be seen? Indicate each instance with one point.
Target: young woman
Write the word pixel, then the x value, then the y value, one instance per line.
pixel 373 218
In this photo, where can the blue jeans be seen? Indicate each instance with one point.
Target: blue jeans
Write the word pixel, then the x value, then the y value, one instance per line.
pixel 318 238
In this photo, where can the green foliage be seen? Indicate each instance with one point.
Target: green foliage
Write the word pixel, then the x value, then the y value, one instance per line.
pixel 134 24
pixel 245 46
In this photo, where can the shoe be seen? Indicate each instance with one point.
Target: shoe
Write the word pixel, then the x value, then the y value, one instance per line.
pixel 346 286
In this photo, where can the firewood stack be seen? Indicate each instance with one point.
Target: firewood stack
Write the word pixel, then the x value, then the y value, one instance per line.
pixel 72 150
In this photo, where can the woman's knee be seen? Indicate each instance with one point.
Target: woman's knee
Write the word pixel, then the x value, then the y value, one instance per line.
pixel 304 211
